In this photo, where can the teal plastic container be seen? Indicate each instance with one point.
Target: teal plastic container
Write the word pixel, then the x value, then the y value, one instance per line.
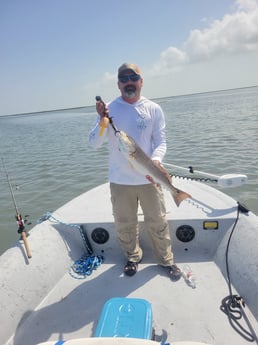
pixel 125 317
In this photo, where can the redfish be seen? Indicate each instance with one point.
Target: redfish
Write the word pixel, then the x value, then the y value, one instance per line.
pixel 143 164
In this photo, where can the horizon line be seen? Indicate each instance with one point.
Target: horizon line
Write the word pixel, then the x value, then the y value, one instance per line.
pixel 88 106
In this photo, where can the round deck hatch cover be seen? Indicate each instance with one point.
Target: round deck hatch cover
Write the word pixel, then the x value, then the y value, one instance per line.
pixel 100 235
pixel 185 233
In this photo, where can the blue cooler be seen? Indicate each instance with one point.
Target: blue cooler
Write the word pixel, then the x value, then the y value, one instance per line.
pixel 125 317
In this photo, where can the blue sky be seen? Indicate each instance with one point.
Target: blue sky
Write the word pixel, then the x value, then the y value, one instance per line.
pixel 61 53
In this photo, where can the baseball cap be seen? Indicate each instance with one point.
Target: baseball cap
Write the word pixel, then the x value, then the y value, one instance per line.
pixel 129 66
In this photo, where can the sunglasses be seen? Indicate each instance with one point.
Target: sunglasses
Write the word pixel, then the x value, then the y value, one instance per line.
pixel 125 78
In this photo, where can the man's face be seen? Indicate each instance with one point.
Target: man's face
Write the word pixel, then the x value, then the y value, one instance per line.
pixel 130 88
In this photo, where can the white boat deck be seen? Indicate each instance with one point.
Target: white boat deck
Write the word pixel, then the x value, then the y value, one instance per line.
pixel 70 308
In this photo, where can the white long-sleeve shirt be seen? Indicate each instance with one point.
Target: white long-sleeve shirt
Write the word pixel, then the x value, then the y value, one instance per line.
pixel 144 121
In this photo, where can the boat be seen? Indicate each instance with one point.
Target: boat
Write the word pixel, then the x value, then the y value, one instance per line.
pixel 72 289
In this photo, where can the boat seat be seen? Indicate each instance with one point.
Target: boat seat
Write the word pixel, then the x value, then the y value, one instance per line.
pixel 125 317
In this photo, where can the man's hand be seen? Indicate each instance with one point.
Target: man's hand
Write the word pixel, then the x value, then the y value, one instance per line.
pixel 162 169
pixel 102 109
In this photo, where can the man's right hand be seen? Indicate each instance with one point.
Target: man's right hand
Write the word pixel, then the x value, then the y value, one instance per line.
pixel 102 109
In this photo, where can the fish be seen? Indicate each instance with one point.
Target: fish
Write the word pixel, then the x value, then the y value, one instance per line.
pixel 141 162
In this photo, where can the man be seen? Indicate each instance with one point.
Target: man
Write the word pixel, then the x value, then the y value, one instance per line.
pixel 144 121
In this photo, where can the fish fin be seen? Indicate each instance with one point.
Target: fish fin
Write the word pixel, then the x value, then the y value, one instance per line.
pixel 180 196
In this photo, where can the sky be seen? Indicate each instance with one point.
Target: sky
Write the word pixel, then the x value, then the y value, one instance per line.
pixel 57 54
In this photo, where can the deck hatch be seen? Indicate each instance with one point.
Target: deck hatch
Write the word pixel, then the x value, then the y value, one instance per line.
pixel 185 233
pixel 100 235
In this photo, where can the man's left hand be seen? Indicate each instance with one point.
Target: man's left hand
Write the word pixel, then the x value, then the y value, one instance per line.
pixel 162 169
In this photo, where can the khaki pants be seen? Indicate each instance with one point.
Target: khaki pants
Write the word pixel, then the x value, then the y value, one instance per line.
pixel 125 204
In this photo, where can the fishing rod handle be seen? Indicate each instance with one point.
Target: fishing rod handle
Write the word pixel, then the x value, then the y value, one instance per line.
pixel 104 121
pixel 26 244
pixel 99 99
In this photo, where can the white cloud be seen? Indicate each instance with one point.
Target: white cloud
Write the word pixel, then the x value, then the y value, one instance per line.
pixel 235 33
pixel 246 5
pixel 107 85
pixel 109 77
pixel 171 59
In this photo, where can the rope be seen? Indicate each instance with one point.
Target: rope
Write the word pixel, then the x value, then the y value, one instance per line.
pixel 85 266
pixel 89 262
pixel 233 305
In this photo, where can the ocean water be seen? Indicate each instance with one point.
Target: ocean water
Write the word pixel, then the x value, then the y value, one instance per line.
pixel 49 162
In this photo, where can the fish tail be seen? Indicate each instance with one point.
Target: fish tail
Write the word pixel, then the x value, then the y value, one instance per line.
pixel 180 196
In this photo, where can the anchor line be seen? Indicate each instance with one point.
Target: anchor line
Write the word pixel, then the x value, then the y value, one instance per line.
pixel 233 305
pixel 84 266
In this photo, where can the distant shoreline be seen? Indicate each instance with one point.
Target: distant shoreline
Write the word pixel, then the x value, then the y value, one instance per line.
pixel 205 92
pixel 46 111
pixel 88 106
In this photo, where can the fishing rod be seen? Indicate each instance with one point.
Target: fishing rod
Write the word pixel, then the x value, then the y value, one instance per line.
pixel 227 180
pixel 18 216
pixel 105 119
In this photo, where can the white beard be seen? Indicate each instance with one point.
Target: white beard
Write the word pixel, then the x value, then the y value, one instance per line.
pixel 130 94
